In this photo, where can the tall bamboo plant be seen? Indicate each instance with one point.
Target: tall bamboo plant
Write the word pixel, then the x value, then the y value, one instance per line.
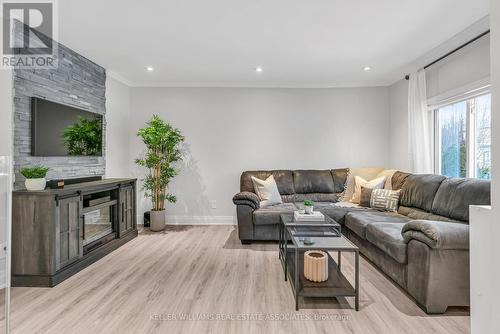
pixel 163 144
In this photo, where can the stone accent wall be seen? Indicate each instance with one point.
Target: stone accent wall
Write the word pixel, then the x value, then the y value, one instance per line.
pixel 77 82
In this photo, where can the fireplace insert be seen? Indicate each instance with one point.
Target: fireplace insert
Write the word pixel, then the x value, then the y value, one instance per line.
pixel 100 217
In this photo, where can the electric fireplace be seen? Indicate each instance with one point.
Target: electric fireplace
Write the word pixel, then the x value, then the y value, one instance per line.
pixel 100 213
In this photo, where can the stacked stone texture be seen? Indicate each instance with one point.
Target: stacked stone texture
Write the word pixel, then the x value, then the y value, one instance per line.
pixel 76 82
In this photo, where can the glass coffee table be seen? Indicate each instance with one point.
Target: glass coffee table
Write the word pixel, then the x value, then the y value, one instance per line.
pixel 325 236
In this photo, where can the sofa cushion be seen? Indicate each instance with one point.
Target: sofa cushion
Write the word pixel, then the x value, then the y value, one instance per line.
pixel 398 180
pixel 271 214
pixel 387 237
pixel 315 197
pixel 313 181
pixel 332 210
pixel 414 213
pixel 455 195
pixel 358 221
pixel 419 190
pixel 338 211
pixel 340 179
pixel 283 178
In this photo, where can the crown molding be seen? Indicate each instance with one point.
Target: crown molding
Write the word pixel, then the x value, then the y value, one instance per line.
pixel 264 85
pixel 119 78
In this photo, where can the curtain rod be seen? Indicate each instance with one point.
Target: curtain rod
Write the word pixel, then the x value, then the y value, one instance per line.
pixel 407 77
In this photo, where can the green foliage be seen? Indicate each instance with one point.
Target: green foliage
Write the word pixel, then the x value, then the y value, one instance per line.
pixel 36 172
pixel 84 137
pixel 454 160
pixel 308 202
pixel 163 152
pixel 484 172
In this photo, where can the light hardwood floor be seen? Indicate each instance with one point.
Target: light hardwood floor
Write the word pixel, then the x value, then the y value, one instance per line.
pixel 205 270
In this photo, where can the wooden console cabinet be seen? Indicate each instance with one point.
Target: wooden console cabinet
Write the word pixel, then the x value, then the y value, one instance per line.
pixel 52 238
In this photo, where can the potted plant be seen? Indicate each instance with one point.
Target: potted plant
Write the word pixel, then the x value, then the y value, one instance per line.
pixel 308 206
pixel 162 153
pixel 84 137
pixel 35 177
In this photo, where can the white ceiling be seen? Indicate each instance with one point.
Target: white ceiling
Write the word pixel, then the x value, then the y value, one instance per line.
pixel 298 43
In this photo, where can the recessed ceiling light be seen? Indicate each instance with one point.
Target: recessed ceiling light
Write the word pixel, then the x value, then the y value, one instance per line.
pixel 149 69
pixel 258 69
pixel 366 68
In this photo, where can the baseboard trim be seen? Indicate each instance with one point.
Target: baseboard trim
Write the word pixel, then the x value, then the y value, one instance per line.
pixel 197 220
pixel 200 220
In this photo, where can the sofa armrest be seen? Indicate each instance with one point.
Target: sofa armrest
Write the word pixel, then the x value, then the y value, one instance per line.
pixel 247 198
pixel 437 234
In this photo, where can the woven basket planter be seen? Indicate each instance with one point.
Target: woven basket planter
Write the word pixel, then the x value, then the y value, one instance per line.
pixel 316 266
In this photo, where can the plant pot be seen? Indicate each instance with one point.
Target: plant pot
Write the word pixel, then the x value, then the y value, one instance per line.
pixel 316 265
pixel 157 220
pixel 309 209
pixel 35 184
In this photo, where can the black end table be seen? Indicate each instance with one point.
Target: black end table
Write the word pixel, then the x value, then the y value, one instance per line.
pixel 325 236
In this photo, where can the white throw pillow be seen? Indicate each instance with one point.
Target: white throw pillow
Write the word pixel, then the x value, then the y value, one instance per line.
pixel 359 182
pixel 267 190
pixel 367 173
pixel 388 173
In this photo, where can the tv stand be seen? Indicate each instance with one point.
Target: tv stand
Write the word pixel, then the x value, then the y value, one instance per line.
pixel 58 232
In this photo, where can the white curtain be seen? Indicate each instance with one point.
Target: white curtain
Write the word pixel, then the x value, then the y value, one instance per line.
pixel 419 125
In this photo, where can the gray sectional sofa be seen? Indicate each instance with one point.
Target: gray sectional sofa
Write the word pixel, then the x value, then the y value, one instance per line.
pixel 424 247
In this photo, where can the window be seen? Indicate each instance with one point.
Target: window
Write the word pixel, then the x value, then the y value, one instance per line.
pixel 463 138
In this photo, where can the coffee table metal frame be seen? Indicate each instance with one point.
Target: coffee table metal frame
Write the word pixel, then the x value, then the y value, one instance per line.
pixel 292 254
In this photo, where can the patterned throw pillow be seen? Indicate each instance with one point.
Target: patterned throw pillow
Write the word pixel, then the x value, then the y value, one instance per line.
pixel 385 199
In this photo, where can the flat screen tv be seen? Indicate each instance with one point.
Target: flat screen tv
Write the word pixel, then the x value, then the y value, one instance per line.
pixel 61 130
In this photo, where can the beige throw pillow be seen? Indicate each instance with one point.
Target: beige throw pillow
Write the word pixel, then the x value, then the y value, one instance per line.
pixel 359 182
pixel 367 173
pixel 388 173
pixel 267 190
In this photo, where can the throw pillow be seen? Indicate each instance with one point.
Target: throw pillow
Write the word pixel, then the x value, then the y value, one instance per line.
pixel 385 199
pixel 388 173
pixel 267 190
pixel 365 173
pixel 359 182
pixel 366 196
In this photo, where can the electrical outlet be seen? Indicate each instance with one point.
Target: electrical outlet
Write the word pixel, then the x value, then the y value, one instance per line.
pixel 214 204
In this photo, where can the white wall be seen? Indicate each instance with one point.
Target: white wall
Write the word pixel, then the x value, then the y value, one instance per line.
pixel 5 169
pixel 398 126
pixel 117 128
pixel 484 227
pixel 495 113
pixel 229 130
pixel 494 266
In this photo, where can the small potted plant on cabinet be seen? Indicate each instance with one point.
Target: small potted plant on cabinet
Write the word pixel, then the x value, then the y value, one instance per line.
pixel 308 206
pixel 35 177
pixel 162 153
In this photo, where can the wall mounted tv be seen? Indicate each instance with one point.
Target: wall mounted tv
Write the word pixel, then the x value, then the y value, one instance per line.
pixel 61 130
